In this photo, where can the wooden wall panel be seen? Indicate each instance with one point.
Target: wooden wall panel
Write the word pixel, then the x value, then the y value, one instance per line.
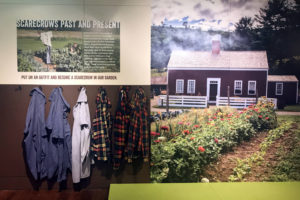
pixel 13 171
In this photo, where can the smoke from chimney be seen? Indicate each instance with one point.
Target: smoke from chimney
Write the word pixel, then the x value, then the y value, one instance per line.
pixel 215 47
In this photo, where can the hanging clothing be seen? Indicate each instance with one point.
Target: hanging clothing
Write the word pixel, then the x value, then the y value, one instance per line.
pixel 59 154
pixel 121 126
pixel 35 140
pixel 100 146
pixel 138 138
pixel 81 138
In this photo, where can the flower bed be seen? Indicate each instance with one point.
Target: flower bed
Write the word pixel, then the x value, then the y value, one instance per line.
pixel 182 146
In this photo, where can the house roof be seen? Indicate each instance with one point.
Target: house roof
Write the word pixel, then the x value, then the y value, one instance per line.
pixel 224 60
pixel 159 80
pixel 282 78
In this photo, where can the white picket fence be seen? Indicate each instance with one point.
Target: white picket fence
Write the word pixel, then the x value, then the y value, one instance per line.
pixel 201 101
pixel 241 102
pixel 183 101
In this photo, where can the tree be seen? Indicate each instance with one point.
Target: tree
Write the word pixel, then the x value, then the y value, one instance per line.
pixel 245 34
pixel 278 28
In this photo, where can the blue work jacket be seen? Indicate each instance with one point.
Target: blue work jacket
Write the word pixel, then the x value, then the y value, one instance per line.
pixel 35 139
pixel 59 153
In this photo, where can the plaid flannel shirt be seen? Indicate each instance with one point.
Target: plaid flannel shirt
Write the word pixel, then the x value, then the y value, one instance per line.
pixel 100 144
pixel 121 126
pixel 138 138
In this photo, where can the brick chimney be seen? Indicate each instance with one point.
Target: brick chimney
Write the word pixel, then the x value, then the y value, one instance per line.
pixel 215 47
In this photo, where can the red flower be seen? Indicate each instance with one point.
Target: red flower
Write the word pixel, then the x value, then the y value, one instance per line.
pixel 222 119
pixel 216 140
pixel 153 133
pixel 196 126
pixel 186 131
pixel 156 141
pixel 200 148
pixel 215 117
pixel 165 128
pixel 180 123
pixel 192 138
pixel 267 118
pixel 256 109
pixel 260 116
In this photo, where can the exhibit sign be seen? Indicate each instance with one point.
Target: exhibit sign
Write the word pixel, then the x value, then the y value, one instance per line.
pixel 68 46
pixel 67 43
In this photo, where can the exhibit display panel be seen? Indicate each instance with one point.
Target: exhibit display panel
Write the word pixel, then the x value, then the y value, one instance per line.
pixel 66 69
pixel 221 73
pixel 75 42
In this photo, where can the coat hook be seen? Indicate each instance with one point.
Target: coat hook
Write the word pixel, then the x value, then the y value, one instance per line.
pixel 19 88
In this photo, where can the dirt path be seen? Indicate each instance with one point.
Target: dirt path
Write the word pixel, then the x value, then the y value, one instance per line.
pixel 223 168
pixel 50 68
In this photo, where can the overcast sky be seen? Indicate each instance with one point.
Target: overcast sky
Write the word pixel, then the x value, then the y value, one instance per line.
pixel 206 14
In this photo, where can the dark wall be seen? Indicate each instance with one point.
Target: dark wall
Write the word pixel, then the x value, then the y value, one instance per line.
pixel 289 93
pixel 227 79
pixel 13 171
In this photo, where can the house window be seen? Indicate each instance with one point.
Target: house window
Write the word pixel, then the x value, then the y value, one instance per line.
pixel 279 88
pixel 251 87
pixel 238 86
pixel 179 85
pixel 191 86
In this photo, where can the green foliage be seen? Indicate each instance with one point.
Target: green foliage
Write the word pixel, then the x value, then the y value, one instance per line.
pixel 26 62
pixel 289 168
pixel 195 139
pixel 244 166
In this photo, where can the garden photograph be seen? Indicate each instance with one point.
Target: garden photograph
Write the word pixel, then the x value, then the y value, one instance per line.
pixel 49 51
pixel 225 81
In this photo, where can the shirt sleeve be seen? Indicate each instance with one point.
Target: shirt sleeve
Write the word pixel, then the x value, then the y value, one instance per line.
pixel 29 115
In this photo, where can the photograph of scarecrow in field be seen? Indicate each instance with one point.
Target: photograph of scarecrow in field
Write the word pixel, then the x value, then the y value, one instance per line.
pixel 225 91
pixel 46 39
pixel 49 51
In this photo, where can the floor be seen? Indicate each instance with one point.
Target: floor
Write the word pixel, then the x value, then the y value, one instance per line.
pixel 53 195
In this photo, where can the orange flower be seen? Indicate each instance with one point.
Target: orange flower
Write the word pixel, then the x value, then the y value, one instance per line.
pixel 192 138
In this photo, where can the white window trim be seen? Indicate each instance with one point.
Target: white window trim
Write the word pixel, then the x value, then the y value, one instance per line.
pixel 177 82
pixel 279 83
pixel 188 87
pixel 249 86
pixel 235 87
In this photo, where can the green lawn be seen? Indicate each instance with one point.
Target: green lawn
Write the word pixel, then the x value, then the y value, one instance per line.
pixel 35 44
pixel 291 108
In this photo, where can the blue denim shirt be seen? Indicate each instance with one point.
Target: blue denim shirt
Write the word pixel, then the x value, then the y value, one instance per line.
pixel 35 140
pixel 59 154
